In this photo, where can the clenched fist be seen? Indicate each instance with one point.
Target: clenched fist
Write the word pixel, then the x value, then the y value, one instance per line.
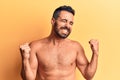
pixel 94 45
pixel 25 51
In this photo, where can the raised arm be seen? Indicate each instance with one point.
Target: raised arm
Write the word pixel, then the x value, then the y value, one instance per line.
pixel 88 69
pixel 29 62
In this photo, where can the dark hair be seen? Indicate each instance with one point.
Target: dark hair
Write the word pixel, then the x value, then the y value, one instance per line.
pixel 63 8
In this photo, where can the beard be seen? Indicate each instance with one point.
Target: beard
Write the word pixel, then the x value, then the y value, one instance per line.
pixel 62 32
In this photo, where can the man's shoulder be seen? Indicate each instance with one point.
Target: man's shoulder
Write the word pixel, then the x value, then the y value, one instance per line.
pixel 37 43
pixel 76 43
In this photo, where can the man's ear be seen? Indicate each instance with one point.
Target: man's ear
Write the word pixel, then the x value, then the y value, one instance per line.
pixel 52 21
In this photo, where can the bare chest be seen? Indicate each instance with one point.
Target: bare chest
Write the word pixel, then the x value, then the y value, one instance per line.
pixel 56 58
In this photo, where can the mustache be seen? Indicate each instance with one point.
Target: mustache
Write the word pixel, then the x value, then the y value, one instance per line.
pixel 65 28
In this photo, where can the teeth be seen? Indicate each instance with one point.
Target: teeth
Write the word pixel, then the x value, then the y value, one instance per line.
pixel 64 31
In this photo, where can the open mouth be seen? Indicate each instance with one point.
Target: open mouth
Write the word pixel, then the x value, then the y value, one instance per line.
pixel 65 31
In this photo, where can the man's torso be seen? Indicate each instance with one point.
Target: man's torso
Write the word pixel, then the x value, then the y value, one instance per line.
pixel 56 62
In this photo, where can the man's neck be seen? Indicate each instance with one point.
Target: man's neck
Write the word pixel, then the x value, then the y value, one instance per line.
pixel 56 40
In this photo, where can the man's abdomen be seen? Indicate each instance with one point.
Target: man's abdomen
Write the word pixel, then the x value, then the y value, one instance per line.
pixel 57 74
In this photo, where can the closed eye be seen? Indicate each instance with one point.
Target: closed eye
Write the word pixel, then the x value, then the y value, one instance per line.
pixel 64 20
pixel 71 23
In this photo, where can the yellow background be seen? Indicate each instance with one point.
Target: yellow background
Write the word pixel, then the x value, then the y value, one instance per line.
pixel 27 20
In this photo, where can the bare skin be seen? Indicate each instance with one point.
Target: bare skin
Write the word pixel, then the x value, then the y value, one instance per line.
pixel 56 61
pixel 55 58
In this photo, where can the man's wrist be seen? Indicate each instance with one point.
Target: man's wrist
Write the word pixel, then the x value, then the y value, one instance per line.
pixel 95 53
pixel 25 60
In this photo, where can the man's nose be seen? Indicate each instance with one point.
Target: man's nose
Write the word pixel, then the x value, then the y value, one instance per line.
pixel 68 24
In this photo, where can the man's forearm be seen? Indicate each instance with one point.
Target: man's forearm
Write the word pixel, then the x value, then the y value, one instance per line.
pixel 26 72
pixel 23 72
pixel 92 66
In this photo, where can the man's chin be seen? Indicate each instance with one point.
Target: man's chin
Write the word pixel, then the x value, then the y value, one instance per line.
pixel 63 36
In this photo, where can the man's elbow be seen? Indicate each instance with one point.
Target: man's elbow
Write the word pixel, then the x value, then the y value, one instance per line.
pixel 27 77
pixel 89 75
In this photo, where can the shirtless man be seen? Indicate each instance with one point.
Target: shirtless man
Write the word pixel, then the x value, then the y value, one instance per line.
pixel 56 57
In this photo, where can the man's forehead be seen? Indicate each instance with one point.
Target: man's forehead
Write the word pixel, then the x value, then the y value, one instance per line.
pixel 63 13
pixel 66 15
